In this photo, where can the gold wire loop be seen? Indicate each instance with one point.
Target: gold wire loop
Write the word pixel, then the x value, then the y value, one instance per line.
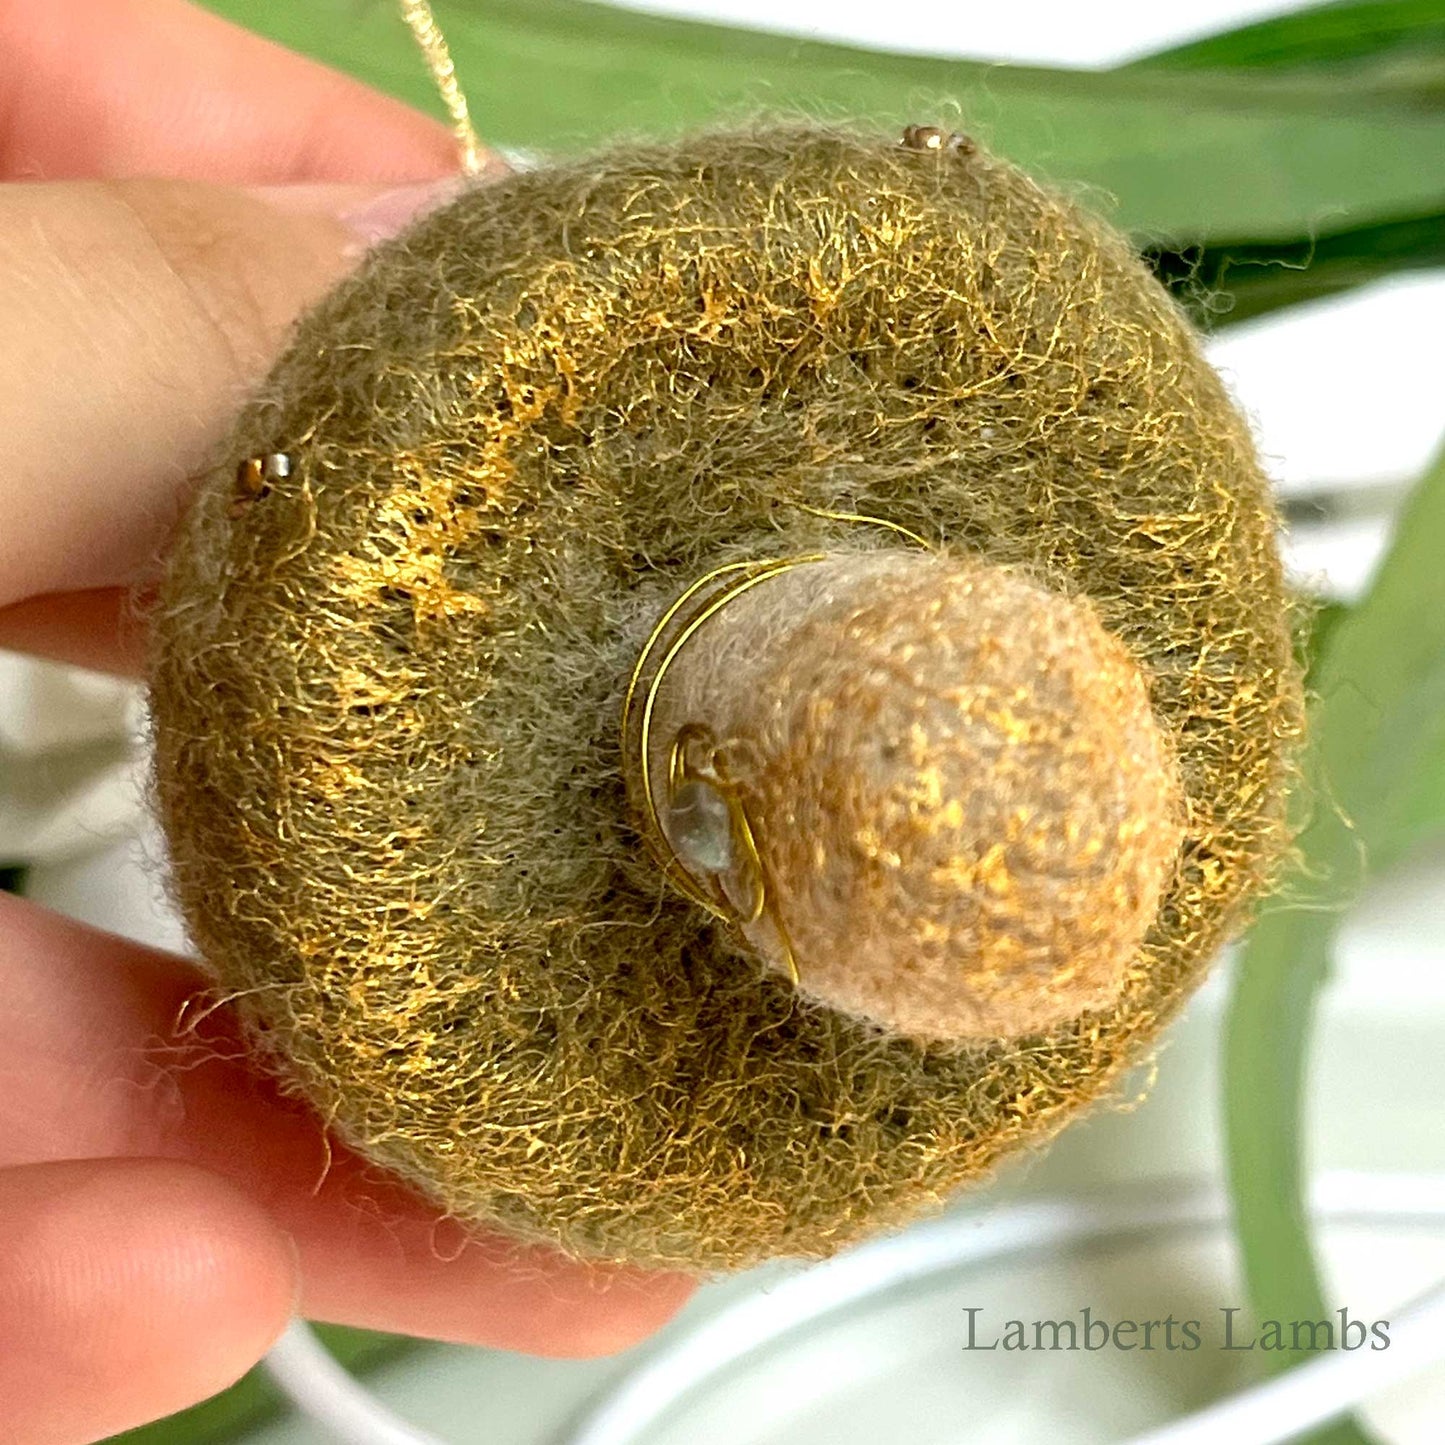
pixel 433 45
pixel 734 578
pixel 861 518
pixel 683 767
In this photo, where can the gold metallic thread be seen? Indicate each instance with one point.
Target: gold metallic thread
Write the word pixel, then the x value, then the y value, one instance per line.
pixel 755 573
pixel 830 515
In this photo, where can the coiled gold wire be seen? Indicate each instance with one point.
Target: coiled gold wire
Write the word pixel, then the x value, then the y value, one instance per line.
pixel 741 577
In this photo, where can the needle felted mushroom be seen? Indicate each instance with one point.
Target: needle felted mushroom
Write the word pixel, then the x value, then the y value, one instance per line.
pixel 722 688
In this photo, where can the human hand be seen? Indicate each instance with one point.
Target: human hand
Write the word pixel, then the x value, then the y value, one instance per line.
pixel 163 1210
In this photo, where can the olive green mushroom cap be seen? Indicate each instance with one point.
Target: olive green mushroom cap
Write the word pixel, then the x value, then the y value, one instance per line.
pixel 387 679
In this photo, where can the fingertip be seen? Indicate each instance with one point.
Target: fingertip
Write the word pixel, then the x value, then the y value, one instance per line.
pixel 376 1256
pixel 130 1289
pixel 163 87
pixel 93 629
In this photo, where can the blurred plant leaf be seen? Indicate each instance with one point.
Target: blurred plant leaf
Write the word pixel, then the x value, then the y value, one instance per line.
pixel 1324 621
pixel 1394 46
pixel 1223 283
pixel 1391 47
pixel 1375 778
pixel 1379 727
pixel 1190 156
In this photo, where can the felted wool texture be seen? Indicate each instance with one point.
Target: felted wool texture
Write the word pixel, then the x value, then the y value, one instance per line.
pixel 965 813
pixel 386 687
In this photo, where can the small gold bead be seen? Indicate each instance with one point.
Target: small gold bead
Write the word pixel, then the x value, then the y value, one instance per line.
pixel 250 479
pixel 254 477
pixel 934 138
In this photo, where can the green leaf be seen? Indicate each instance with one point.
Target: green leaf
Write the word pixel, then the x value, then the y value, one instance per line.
pixel 1376 777
pixel 1224 284
pixel 1322 624
pixel 1266 1042
pixel 1380 724
pixel 1394 47
pixel 1391 45
pixel 1191 158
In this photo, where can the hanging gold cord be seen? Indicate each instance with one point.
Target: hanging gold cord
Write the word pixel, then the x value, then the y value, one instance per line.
pixel 428 35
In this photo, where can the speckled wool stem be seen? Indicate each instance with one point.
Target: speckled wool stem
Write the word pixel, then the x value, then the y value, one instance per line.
pixel 963 808
pixel 397 623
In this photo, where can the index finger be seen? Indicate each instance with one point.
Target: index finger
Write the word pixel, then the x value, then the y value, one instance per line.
pixel 110 1050
pixel 121 88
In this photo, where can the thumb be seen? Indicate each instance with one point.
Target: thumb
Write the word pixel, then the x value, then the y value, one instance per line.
pixel 129 1288
pixel 138 316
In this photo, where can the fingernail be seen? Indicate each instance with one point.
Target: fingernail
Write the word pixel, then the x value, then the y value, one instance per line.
pixel 382 216
pixel 369 214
